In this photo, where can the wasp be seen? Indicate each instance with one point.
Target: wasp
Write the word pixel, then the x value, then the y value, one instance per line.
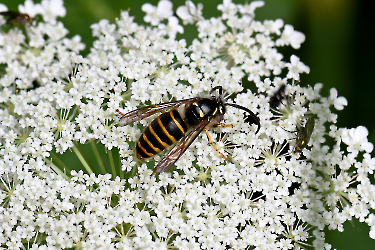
pixel 17 18
pixel 179 124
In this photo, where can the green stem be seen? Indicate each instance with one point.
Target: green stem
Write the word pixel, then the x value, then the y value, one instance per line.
pixel 73 113
pixel 97 156
pixel 81 158
pixel 56 168
pixel 120 168
pixel 113 168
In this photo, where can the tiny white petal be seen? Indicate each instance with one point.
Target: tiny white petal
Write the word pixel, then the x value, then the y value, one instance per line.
pixel 340 103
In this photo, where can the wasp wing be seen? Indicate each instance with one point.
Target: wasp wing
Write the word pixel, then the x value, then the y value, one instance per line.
pixel 144 112
pixel 178 150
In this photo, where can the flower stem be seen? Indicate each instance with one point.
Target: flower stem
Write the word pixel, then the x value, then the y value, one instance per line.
pixel 97 156
pixel 56 168
pixel 81 158
pixel 113 168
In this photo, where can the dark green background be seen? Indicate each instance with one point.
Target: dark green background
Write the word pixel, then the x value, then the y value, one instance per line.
pixel 338 49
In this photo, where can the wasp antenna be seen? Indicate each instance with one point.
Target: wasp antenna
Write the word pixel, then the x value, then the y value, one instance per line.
pixel 248 111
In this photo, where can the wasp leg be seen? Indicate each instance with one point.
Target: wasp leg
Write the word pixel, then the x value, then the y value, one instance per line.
pixel 118 111
pixel 223 125
pixel 213 145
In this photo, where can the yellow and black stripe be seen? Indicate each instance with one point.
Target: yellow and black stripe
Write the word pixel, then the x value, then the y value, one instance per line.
pixel 162 132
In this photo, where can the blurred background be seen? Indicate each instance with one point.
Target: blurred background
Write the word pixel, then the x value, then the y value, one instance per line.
pixel 337 50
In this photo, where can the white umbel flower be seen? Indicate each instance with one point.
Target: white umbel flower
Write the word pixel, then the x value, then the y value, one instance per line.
pixel 69 174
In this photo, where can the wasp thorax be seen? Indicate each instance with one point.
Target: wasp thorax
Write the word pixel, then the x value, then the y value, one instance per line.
pixel 200 110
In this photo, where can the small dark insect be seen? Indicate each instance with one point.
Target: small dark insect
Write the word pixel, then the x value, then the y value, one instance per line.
pixel 180 125
pixel 278 97
pixel 304 134
pixel 17 18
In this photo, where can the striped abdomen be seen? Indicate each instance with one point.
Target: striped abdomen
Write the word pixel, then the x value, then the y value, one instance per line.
pixel 161 133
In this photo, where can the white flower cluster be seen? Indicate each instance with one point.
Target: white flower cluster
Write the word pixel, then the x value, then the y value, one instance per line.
pixel 268 195
pixel 43 55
